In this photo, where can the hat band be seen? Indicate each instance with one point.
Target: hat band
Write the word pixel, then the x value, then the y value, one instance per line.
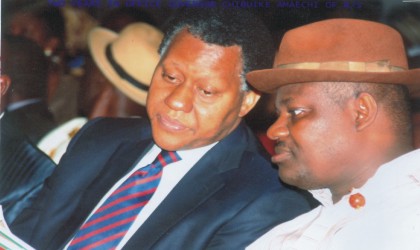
pixel 121 72
pixel 377 66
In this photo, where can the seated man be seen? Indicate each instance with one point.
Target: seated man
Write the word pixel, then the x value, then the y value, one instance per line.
pixel 221 193
pixel 344 132
pixel 23 167
pixel 25 103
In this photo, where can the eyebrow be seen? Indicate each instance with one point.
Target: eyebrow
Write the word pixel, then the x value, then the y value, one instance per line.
pixel 171 62
pixel 284 102
pixel 287 101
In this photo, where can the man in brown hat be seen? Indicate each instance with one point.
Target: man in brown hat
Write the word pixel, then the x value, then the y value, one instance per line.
pixel 344 133
pixel 210 187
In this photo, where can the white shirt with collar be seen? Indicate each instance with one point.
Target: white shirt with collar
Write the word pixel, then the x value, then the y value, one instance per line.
pixel 171 175
pixel 389 220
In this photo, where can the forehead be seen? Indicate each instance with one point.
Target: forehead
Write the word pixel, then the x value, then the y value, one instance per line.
pixel 299 91
pixel 190 53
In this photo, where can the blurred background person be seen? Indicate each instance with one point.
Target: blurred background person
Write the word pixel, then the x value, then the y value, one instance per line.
pixel 122 91
pixel 23 167
pixel 98 96
pixel 46 25
pixel 26 101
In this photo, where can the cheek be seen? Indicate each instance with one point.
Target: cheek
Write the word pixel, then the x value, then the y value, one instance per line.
pixel 329 147
pixel 208 117
pixel 155 97
pixel 216 118
pixel 315 141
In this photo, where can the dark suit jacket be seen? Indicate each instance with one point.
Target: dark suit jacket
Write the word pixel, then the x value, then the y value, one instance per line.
pixel 228 199
pixel 34 120
pixel 23 169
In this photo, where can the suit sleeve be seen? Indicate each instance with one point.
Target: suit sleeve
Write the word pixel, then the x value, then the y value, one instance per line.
pixel 25 224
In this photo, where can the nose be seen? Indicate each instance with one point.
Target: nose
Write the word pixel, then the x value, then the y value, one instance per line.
pixel 180 98
pixel 279 131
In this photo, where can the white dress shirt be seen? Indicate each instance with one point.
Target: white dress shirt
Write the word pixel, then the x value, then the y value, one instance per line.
pixel 389 220
pixel 171 175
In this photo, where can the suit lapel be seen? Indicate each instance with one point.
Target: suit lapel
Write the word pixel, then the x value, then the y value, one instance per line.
pixel 122 161
pixel 205 178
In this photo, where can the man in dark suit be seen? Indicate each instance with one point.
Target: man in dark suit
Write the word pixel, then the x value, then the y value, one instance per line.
pixel 222 194
pixel 25 103
pixel 23 167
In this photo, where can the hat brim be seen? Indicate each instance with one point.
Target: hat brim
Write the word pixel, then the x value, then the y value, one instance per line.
pixel 269 80
pixel 98 39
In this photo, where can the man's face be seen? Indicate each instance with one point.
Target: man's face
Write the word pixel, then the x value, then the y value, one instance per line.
pixel 195 96
pixel 313 135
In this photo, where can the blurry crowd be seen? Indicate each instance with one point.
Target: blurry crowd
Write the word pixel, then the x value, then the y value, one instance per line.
pixel 55 84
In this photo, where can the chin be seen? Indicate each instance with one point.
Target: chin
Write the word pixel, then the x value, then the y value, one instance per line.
pixel 290 177
pixel 165 143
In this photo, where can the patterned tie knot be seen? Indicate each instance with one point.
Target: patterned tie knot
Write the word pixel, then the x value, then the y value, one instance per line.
pixel 166 157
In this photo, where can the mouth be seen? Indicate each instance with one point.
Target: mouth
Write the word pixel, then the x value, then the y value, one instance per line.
pixel 170 124
pixel 282 154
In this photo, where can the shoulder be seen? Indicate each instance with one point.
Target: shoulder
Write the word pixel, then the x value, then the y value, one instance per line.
pixel 106 135
pixel 123 128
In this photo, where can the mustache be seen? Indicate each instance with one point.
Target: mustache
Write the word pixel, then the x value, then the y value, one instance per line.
pixel 281 147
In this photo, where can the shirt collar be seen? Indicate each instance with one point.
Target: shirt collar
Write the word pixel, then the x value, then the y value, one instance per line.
pixel 20 104
pixel 399 169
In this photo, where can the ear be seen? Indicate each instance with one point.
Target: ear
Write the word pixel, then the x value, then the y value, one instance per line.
pixel 366 110
pixel 4 84
pixel 250 99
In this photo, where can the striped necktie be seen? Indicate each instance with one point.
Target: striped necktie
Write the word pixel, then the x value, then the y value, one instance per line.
pixel 108 225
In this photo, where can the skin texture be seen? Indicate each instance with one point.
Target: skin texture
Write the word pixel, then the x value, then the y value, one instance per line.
pixel 317 139
pixel 195 97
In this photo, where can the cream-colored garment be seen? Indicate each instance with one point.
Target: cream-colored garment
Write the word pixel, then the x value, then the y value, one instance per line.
pixel 389 220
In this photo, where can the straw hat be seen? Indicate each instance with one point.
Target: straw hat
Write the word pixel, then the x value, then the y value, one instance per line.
pixel 339 50
pixel 127 59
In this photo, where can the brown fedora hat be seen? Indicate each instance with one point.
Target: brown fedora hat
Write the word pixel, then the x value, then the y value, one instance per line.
pixel 338 50
pixel 127 59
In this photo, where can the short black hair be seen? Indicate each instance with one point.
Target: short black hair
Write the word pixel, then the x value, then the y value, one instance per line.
pixel 24 62
pixel 226 27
